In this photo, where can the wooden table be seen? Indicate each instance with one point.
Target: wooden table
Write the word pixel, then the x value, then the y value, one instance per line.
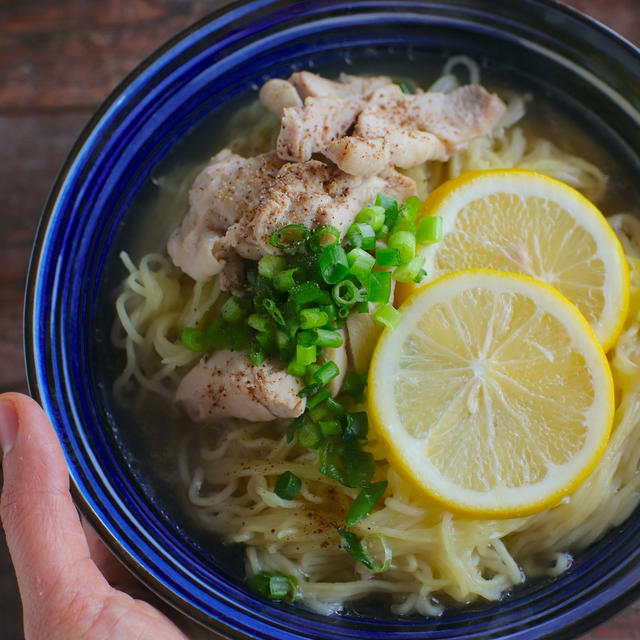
pixel 58 61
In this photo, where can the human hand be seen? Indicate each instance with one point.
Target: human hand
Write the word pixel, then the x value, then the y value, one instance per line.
pixel 65 574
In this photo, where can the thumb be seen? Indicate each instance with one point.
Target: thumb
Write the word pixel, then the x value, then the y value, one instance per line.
pixel 44 534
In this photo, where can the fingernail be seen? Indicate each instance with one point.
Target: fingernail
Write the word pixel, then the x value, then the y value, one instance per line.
pixel 8 425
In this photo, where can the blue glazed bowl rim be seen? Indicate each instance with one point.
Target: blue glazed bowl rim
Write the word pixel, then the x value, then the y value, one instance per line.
pixel 630 583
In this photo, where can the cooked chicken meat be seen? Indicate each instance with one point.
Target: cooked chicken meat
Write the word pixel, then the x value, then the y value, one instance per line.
pixel 227 385
pixel 277 94
pixel 312 85
pixel 311 194
pixel 220 195
pixel 455 117
pixel 406 130
pixel 309 129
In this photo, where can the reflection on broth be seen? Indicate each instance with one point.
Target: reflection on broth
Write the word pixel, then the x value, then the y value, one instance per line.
pixel 243 472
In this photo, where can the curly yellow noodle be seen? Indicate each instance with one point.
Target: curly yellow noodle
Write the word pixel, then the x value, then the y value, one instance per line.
pixel 229 471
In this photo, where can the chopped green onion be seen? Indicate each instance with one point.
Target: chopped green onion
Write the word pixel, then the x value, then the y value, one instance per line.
pixel 345 294
pixel 379 286
pixel 275 586
pixel 238 337
pixel 319 413
pixel 284 281
pixel 312 318
pixel 411 207
pixel 363 306
pixel 288 486
pixel 383 232
pixel 331 311
pixel 330 427
pixel 266 339
pixel 387 257
pixel 307 337
pixel 260 322
pixel 365 501
pixel 404 223
pixel 354 384
pixel 373 216
pixel 361 263
pixel 256 354
pixel 271 308
pixel 289 236
pixel 361 235
pixel 216 334
pixel 326 373
pixel 193 339
pixel 329 338
pixel 234 309
pixel 324 236
pixel 306 355
pixel 282 339
pixel 409 272
pixel 429 230
pixel 334 406
pixel 333 264
pixel 390 209
pixel 307 292
pixel 294 427
pixel 387 315
pixel 310 435
pixel 317 398
pixel 355 548
pixel 356 425
pixel 405 242
pixel 297 369
pixel 404 87
pixel 269 265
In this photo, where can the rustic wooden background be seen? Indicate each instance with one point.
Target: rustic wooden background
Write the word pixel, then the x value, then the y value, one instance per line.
pixel 58 60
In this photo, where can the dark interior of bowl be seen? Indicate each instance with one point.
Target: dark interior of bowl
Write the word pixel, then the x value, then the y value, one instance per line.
pixel 123 471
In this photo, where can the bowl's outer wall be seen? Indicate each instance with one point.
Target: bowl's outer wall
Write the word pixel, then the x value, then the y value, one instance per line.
pixel 193 76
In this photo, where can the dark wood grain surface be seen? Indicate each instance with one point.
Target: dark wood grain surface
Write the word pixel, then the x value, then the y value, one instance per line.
pixel 58 60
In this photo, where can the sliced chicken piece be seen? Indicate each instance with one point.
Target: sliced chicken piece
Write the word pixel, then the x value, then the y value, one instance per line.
pixel 308 129
pixel 219 197
pixel 404 148
pixel 455 117
pixel 312 85
pixel 278 94
pixel 405 130
pixel 311 194
pixel 227 385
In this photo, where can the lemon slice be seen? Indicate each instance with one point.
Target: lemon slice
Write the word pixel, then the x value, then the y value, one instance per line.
pixel 493 394
pixel 525 222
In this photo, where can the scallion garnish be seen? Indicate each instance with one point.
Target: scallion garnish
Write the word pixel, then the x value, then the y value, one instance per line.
pixel 361 235
pixel 429 230
pixel 289 236
pixel 365 501
pixel 193 339
pixel 405 243
pixel 387 315
pixel 323 236
pixel 355 548
pixel 287 486
pixel 275 586
pixel 326 373
pixel 333 263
